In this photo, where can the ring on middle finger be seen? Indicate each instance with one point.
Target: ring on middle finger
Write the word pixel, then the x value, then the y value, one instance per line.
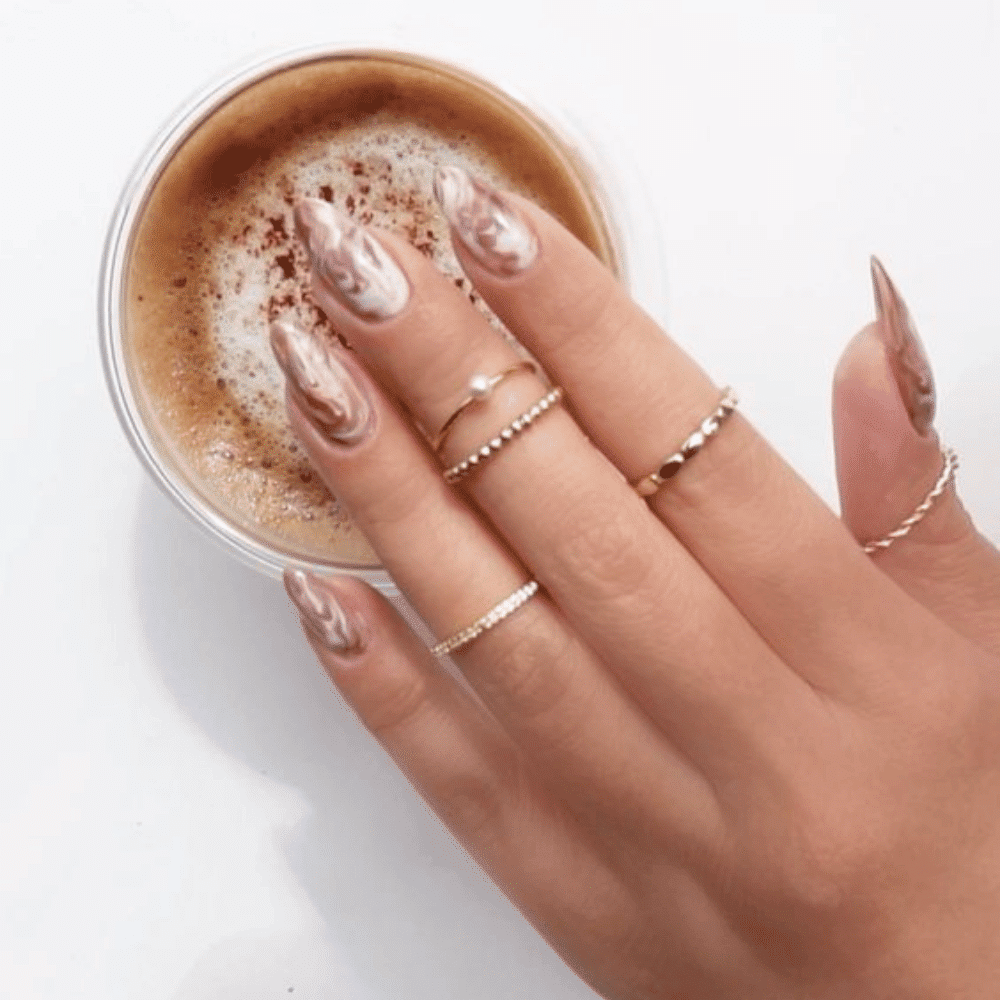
pixel 480 389
pixel 517 426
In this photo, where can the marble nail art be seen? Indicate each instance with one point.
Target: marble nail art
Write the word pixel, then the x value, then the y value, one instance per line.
pixel 904 350
pixel 321 614
pixel 332 398
pixel 351 263
pixel 485 222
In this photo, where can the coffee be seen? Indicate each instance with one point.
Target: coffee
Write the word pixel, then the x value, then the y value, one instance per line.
pixel 214 259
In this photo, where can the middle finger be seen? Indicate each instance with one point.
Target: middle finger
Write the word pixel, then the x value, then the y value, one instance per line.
pixel 608 563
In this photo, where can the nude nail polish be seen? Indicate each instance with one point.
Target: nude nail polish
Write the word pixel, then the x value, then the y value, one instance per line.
pixel 330 395
pixel 328 623
pixel 486 222
pixel 904 351
pixel 351 263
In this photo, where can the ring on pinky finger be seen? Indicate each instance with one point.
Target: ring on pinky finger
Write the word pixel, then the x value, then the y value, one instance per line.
pixel 948 469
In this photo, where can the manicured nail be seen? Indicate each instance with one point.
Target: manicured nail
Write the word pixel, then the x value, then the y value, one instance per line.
pixel 330 395
pixel 321 613
pixel 485 221
pixel 350 262
pixel 904 350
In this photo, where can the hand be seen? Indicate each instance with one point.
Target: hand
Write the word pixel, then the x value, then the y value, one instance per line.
pixel 723 752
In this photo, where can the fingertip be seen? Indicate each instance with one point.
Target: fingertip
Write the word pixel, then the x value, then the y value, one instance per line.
pixel 884 465
pixel 333 613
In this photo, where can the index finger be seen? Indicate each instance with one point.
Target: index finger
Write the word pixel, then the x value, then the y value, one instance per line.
pixel 773 546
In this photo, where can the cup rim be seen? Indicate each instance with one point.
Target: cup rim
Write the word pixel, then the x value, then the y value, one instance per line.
pixel 131 203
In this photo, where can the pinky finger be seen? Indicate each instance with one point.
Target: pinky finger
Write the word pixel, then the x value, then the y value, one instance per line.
pixel 449 747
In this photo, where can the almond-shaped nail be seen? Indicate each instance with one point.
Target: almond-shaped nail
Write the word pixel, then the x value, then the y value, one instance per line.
pixel 351 263
pixel 486 222
pixel 904 351
pixel 331 396
pixel 322 614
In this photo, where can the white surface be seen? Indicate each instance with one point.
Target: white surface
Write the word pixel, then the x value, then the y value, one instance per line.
pixel 186 811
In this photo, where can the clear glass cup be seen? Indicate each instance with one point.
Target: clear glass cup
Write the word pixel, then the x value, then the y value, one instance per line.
pixel 624 237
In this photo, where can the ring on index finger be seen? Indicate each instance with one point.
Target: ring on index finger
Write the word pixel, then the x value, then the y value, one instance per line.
pixel 694 442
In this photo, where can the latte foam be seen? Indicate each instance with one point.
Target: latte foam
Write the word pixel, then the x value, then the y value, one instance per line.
pixel 215 259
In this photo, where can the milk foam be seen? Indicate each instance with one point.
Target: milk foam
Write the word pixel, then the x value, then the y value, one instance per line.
pixel 216 259
pixel 380 173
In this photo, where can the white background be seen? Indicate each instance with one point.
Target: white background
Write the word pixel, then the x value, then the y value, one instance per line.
pixel 186 809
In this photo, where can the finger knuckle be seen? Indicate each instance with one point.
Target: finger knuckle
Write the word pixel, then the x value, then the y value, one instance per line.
pixel 607 554
pixel 530 676
pixel 474 807
pixel 832 856
pixel 820 870
pixel 395 704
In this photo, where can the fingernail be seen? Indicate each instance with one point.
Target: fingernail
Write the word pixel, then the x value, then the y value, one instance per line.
pixel 350 262
pixel 321 613
pixel 485 221
pixel 904 351
pixel 331 396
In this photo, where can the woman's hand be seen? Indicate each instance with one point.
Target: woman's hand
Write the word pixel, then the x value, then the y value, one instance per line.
pixel 723 752
pixel 888 454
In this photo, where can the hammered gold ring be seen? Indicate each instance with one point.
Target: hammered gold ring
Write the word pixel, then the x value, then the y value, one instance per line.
pixel 694 442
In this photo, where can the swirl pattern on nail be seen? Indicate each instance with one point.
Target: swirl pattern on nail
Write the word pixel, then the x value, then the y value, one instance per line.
pixel 485 222
pixel 904 350
pixel 331 396
pixel 321 614
pixel 350 262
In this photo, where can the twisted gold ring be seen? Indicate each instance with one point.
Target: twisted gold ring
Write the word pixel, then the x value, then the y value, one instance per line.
pixel 948 470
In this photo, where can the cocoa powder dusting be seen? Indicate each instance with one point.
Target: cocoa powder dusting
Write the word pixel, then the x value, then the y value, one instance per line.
pixel 236 265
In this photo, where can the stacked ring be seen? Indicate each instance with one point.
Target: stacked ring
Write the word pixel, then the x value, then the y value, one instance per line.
pixel 480 388
pixel 517 426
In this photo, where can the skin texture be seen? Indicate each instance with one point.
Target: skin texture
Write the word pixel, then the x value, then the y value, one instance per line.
pixel 723 753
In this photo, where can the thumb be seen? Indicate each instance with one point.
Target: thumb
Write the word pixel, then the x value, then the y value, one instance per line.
pixel 889 459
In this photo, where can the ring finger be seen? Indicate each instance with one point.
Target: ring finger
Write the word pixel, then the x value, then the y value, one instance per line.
pixel 607 561
pixel 531 670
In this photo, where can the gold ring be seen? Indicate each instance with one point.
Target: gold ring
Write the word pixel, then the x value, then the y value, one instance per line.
pixel 948 470
pixel 517 426
pixel 494 616
pixel 480 389
pixel 694 442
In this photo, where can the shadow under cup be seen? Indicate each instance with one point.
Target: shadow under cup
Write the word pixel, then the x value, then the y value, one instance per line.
pixel 201 256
